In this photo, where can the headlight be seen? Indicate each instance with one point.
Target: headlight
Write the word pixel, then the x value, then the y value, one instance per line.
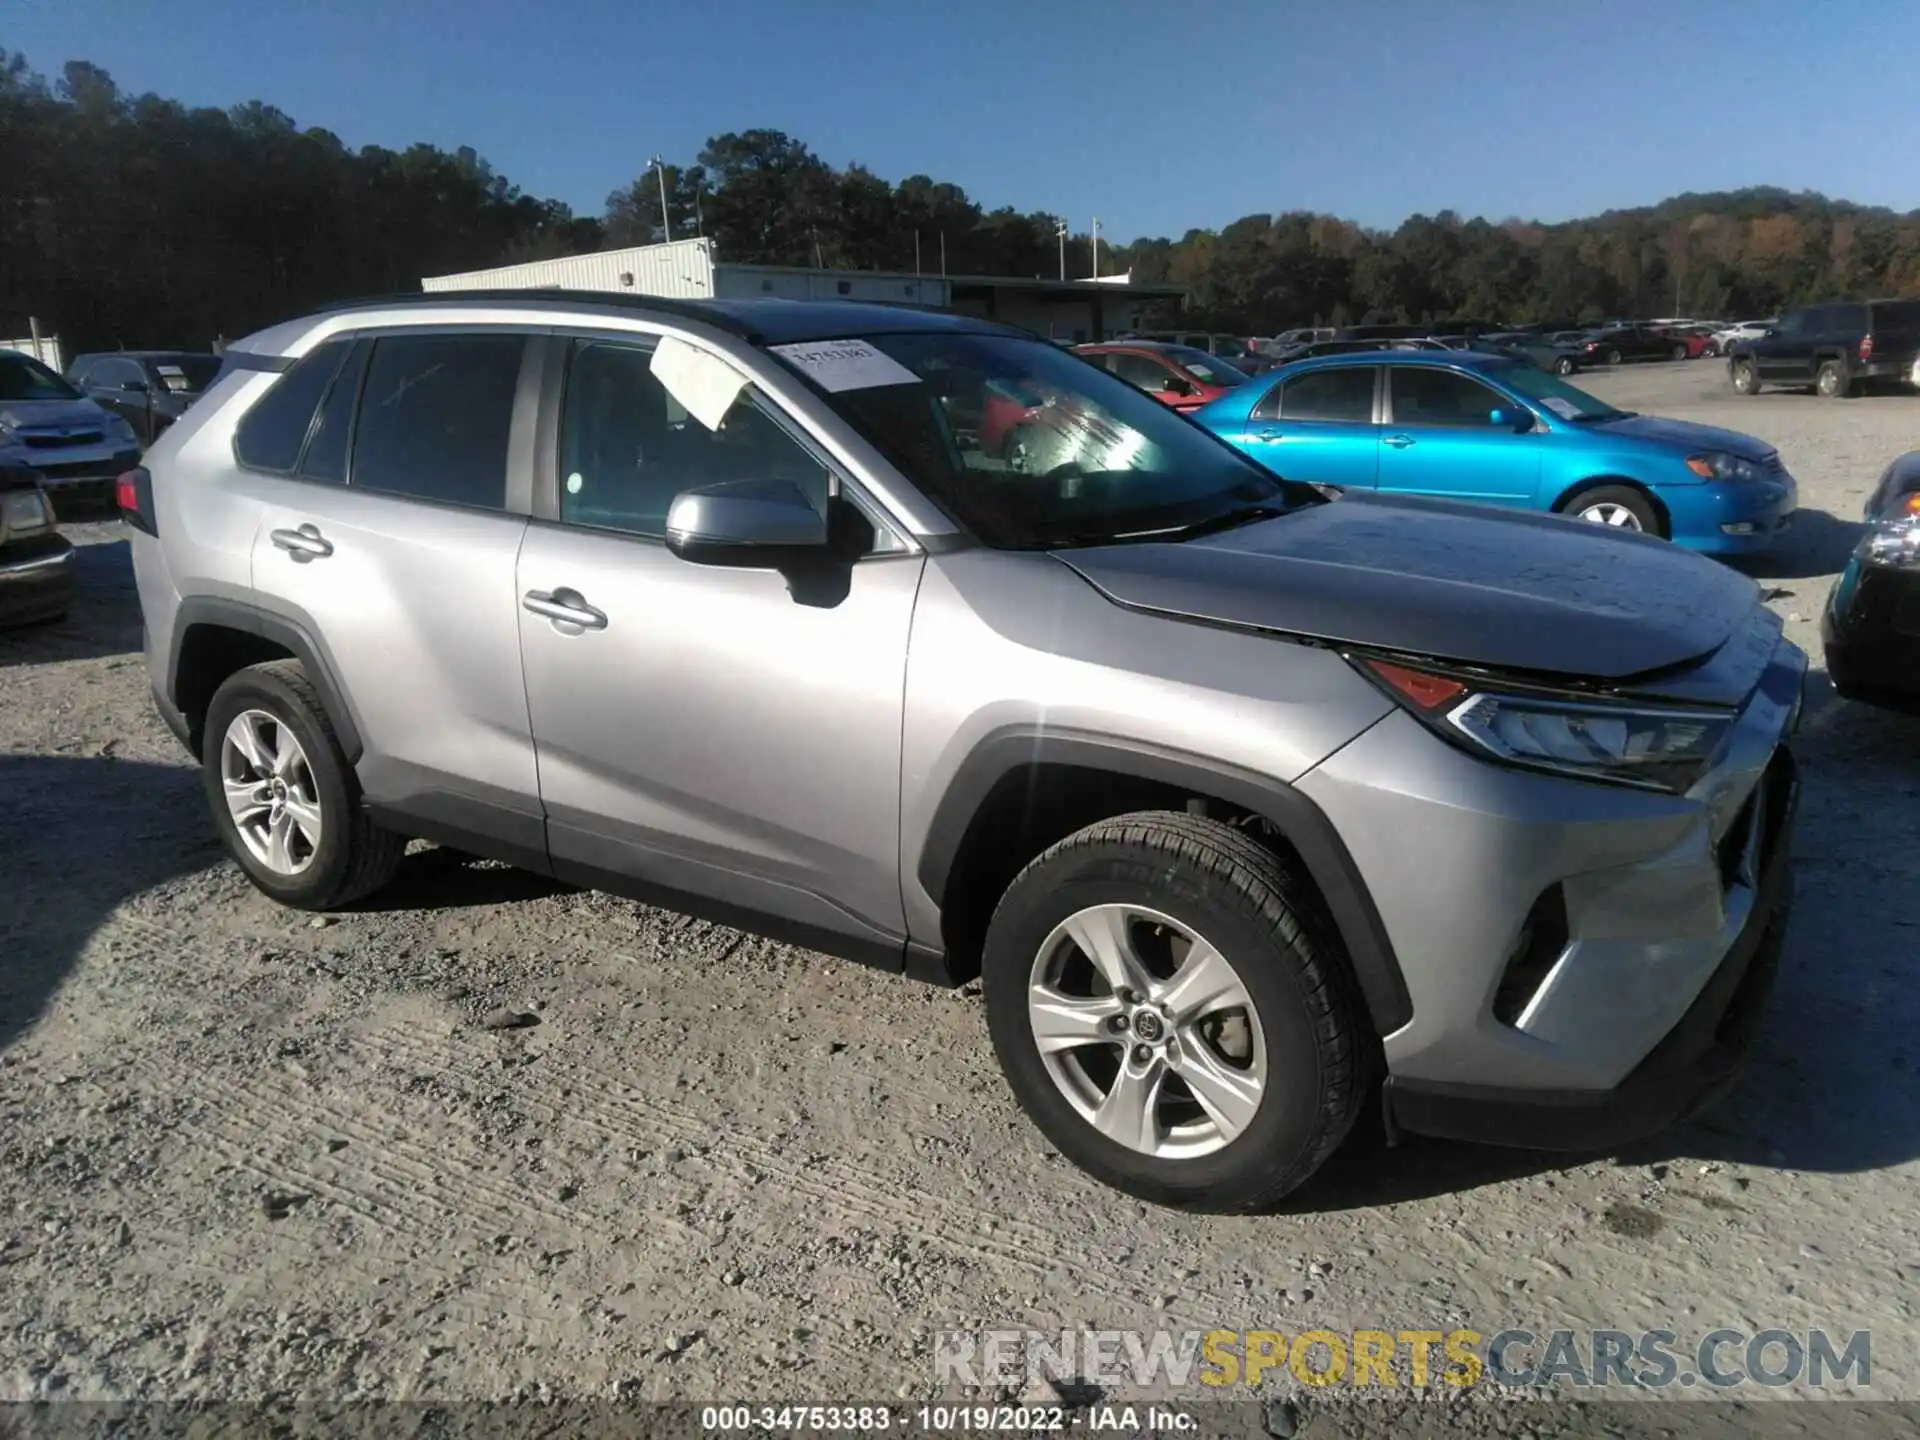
pixel 1718 465
pixel 1894 538
pixel 118 428
pixel 1650 747
pixel 24 510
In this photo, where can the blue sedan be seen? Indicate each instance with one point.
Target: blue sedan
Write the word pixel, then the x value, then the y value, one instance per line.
pixel 1497 431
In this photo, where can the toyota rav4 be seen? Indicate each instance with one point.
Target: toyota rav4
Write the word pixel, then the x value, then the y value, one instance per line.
pixel 1246 801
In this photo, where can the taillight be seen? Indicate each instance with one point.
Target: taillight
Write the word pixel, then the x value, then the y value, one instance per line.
pixel 133 493
pixel 1866 347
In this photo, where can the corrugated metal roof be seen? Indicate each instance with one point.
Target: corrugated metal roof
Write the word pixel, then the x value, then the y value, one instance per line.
pixel 681 269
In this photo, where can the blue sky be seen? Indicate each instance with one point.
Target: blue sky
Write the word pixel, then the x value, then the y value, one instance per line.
pixel 1156 117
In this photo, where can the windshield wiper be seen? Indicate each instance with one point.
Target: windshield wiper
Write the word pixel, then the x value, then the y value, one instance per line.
pixel 1609 415
pixel 1212 525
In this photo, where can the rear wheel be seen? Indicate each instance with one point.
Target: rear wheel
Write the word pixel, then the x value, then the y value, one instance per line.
pixel 1564 365
pixel 1831 381
pixel 1746 379
pixel 283 796
pixel 1620 507
pixel 1679 352
pixel 1173 1014
pixel 1614 357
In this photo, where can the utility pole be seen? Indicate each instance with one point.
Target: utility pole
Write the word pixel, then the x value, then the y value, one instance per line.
pixel 1096 247
pixel 666 220
pixel 943 254
pixel 1060 230
pixel 916 252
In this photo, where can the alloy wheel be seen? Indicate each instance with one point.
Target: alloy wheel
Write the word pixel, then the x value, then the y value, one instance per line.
pixel 1148 1031
pixel 1607 512
pixel 270 792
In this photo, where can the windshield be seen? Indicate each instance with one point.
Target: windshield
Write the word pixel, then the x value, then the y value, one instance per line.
pixel 1030 447
pixel 24 378
pixel 1568 402
pixel 187 374
pixel 1229 348
pixel 1207 369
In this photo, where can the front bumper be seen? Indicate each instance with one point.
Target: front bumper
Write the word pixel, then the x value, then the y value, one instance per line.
pixel 65 469
pixel 1741 517
pixel 1560 940
pixel 1870 631
pixel 1699 1060
pixel 36 579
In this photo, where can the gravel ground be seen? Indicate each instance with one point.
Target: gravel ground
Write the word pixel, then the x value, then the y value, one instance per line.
pixel 249 1153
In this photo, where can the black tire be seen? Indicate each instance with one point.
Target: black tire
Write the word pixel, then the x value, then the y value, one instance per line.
pixel 1614 357
pixel 1832 382
pixel 1269 926
pixel 1679 352
pixel 1745 377
pixel 1646 518
pixel 1564 365
pixel 355 857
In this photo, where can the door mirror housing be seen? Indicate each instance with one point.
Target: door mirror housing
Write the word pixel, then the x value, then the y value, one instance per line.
pixel 1511 417
pixel 754 524
pixel 1174 385
pixel 137 386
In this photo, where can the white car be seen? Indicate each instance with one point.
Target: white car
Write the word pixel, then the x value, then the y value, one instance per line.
pixel 1745 330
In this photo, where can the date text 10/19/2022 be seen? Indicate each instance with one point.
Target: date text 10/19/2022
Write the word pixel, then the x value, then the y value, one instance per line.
pixel 942 1419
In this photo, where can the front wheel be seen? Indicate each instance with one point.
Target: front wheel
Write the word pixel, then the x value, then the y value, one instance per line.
pixel 1679 352
pixel 1620 507
pixel 1564 365
pixel 1746 379
pixel 1614 357
pixel 283 796
pixel 1173 1013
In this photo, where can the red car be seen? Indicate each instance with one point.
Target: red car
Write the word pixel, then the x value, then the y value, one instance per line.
pixel 1177 375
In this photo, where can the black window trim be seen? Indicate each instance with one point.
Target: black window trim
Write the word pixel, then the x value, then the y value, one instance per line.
pixel 1459 371
pixel 356 346
pixel 544 501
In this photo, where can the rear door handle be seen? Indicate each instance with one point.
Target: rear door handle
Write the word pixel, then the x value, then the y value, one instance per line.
pixel 564 607
pixel 303 544
pixel 1398 442
pixel 1269 433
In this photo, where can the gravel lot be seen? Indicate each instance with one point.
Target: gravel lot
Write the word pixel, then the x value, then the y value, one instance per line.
pixel 244 1153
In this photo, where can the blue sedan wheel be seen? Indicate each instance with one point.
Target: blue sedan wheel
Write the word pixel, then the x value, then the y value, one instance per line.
pixel 1618 506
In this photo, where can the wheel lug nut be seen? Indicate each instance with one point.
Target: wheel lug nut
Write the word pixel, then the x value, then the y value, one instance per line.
pixel 1141 1054
pixel 1118 1024
pixel 1127 997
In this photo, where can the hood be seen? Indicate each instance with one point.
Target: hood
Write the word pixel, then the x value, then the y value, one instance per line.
pixel 1685 435
pixel 1459 583
pixel 19 414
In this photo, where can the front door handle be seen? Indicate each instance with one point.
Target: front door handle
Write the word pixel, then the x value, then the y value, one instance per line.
pixel 304 544
pixel 564 607
pixel 1398 442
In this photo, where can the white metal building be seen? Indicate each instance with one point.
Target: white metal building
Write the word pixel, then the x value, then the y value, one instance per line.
pixel 686 269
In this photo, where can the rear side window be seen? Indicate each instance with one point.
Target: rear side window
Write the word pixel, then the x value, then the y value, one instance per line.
pixel 1897 315
pixel 1344 395
pixel 271 435
pixel 434 416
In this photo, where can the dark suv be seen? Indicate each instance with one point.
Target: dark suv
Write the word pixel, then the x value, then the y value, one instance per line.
pixel 1833 348
pixel 149 389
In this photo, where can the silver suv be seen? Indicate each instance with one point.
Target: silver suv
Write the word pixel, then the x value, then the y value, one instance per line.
pixel 917 640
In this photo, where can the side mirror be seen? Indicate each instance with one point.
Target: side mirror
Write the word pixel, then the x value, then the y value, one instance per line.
pixel 137 386
pixel 1511 417
pixel 755 524
pixel 1174 385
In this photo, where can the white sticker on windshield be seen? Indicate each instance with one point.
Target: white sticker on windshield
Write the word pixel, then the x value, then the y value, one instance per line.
pixel 699 380
pixel 1565 409
pixel 836 365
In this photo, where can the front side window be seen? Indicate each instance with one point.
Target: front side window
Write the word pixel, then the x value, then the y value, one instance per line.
pixel 1140 371
pixel 1428 395
pixel 271 435
pixel 434 416
pixel 1341 394
pixel 1552 393
pixel 627 446
pixel 1031 448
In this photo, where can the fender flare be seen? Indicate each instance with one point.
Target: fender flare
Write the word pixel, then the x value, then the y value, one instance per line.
pixel 1306 828
pixel 289 634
